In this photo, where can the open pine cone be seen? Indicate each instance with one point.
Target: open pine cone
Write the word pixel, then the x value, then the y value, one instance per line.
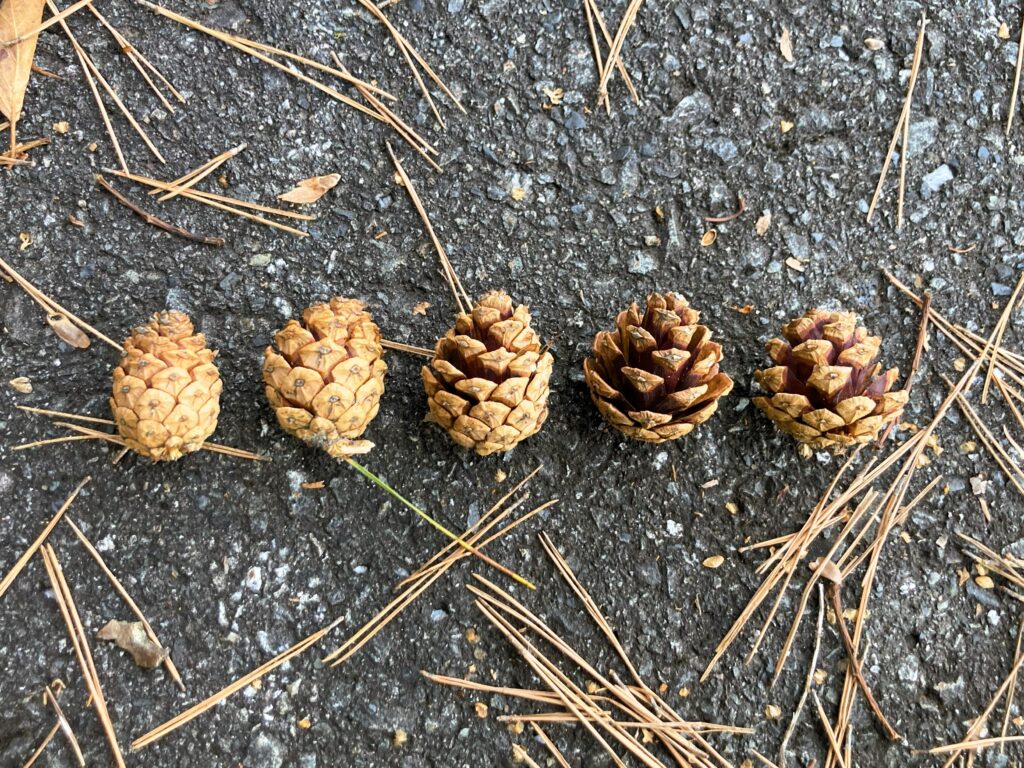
pixel 488 382
pixel 826 386
pixel 166 393
pixel 656 376
pixel 325 380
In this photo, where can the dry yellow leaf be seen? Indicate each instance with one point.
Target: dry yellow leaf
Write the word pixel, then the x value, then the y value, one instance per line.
pixel 16 18
pixel 21 384
pixel 820 676
pixel 62 127
pixel 132 637
pixel 305 724
pixel 421 308
pixel 310 190
pixel 714 561
pixel 481 710
pixel 785 126
pixel 786 45
pixel 684 692
pixel 516 727
pixel 985 582
pixel 399 738
pixel 518 193
pixel 1003 32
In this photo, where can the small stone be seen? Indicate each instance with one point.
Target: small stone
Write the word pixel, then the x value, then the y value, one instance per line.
pixel 724 147
pixel 265 752
pixel 935 180
pixel 641 263
pixel 689 111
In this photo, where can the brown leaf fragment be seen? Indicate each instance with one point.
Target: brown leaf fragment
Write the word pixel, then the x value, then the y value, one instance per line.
pixel 421 308
pixel 131 636
pixel 68 331
pixel 16 18
pixel 21 384
pixel 786 45
pixel 310 190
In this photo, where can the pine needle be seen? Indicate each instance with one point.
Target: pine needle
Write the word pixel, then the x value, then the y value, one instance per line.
pixel 27 554
pixel 453 536
pixel 132 605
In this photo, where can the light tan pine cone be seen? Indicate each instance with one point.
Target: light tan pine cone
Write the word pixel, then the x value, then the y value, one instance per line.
pixel 166 391
pixel 488 382
pixel 326 377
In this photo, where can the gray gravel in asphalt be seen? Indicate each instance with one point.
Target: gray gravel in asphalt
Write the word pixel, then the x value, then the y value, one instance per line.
pixel 234 561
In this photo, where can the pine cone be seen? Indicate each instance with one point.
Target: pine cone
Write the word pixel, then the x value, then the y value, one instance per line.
pixel 325 381
pixel 488 382
pixel 825 383
pixel 656 376
pixel 166 394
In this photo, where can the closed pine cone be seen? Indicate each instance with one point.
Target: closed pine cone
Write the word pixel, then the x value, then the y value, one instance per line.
pixel 166 393
pixel 656 376
pixel 488 382
pixel 825 385
pixel 326 378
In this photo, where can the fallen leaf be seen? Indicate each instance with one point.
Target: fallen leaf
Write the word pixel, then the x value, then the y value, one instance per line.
pixel 785 126
pixel 399 738
pixel 62 127
pixel 131 636
pixel 310 190
pixel 518 193
pixel 763 222
pixel 16 18
pixel 68 331
pixel 1003 31
pixel 985 582
pixel 786 45
pixel 21 384
pixel 481 710
pixel 746 309
pixel 421 308
pixel 714 561
pixel 304 724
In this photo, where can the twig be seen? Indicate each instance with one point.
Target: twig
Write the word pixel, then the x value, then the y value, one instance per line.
pixel 212 200
pixel 461 297
pixel 1000 330
pixel 854 662
pixel 837 751
pixel 149 218
pixel 132 605
pixel 904 116
pixel 731 216
pixel 27 554
pixel 76 631
pixel 811 669
pixel 555 753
